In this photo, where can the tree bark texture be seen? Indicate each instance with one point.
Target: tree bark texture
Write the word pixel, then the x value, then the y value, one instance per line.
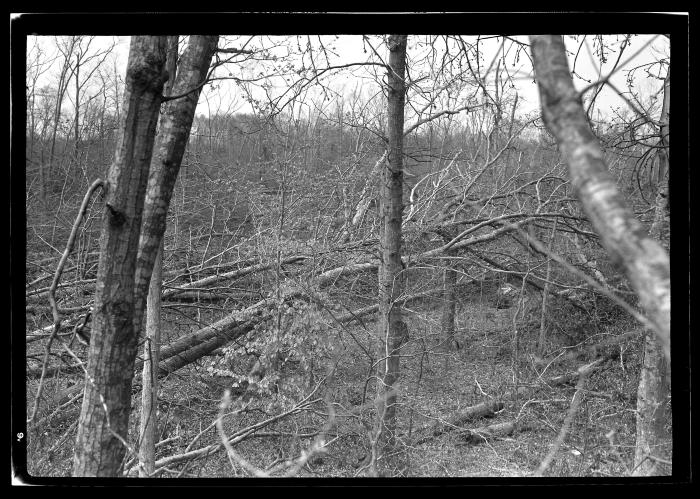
pixel 149 377
pixel 644 260
pixel 449 295
pixel 391 329
pixel 449 282
pixel 103 424
pixel 173 135
pixel 76 129
pixel 652 438
pixel 151 349
pixel 653 441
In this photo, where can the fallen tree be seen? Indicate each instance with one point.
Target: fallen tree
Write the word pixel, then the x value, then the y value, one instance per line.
pixel 483 410
pixel 498 430
pixel 328 277
pixel 194 346
pixel 489 408
pixel 234 274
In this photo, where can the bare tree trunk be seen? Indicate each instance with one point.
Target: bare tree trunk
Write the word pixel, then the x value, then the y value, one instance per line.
pixel 543 312
pixel 449 305
pixel 149 393
pixel 645 261
pixel 151 354
pixel 653 441
pixel 174 132
pixel 76 130
pixel 103 425
pixel 63 81
pixel 391 329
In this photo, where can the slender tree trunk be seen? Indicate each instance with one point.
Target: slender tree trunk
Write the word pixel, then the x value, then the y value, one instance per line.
pixel 391 329
pixel 449 303
pixel 645 261
pixel 76 131
pixel 103 425
pixel 63 81
pixel 31 100
pixel 151 354
pixel 149 393
pixel 543 312
pixel 653 441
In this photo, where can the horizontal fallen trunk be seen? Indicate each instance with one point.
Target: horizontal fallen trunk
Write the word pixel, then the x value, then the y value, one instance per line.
pixel 572 376
pixel 530 278
pixel 588 352
pixel 46 331
pixel 201 343
pixel 205 341
pixel 489 408
pixel 46 309
pixel 483 410
pixel 194 346
pixel 197 296
pixel 526 391
pixel 328 277
pixel 42 293
pixel 499 430
pixel 234 274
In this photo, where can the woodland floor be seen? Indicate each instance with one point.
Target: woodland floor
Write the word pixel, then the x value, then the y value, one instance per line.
pixel 435 386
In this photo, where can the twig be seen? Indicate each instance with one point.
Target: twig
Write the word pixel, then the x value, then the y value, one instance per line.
pixel 617 66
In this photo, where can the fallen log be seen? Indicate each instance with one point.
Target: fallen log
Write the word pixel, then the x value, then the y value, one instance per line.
pixel 42 293
pixel 234 274
pixel 602 348
pixel 525 391
pixel 205 341
pixel 194 346
pixel 197 296
pixel 583 370
pixel 329 276
pixel 233 326
pixel 489 408
pixel 483 410
pixel 499 430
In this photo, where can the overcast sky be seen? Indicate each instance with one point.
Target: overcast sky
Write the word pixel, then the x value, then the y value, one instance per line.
pixel 350 48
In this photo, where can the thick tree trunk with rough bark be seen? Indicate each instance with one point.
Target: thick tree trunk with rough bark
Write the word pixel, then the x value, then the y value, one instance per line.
pixel 103 425
pixel 391 329
pixel 644 260
pixel 653 441
pixel 151 349
pixel 175 126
